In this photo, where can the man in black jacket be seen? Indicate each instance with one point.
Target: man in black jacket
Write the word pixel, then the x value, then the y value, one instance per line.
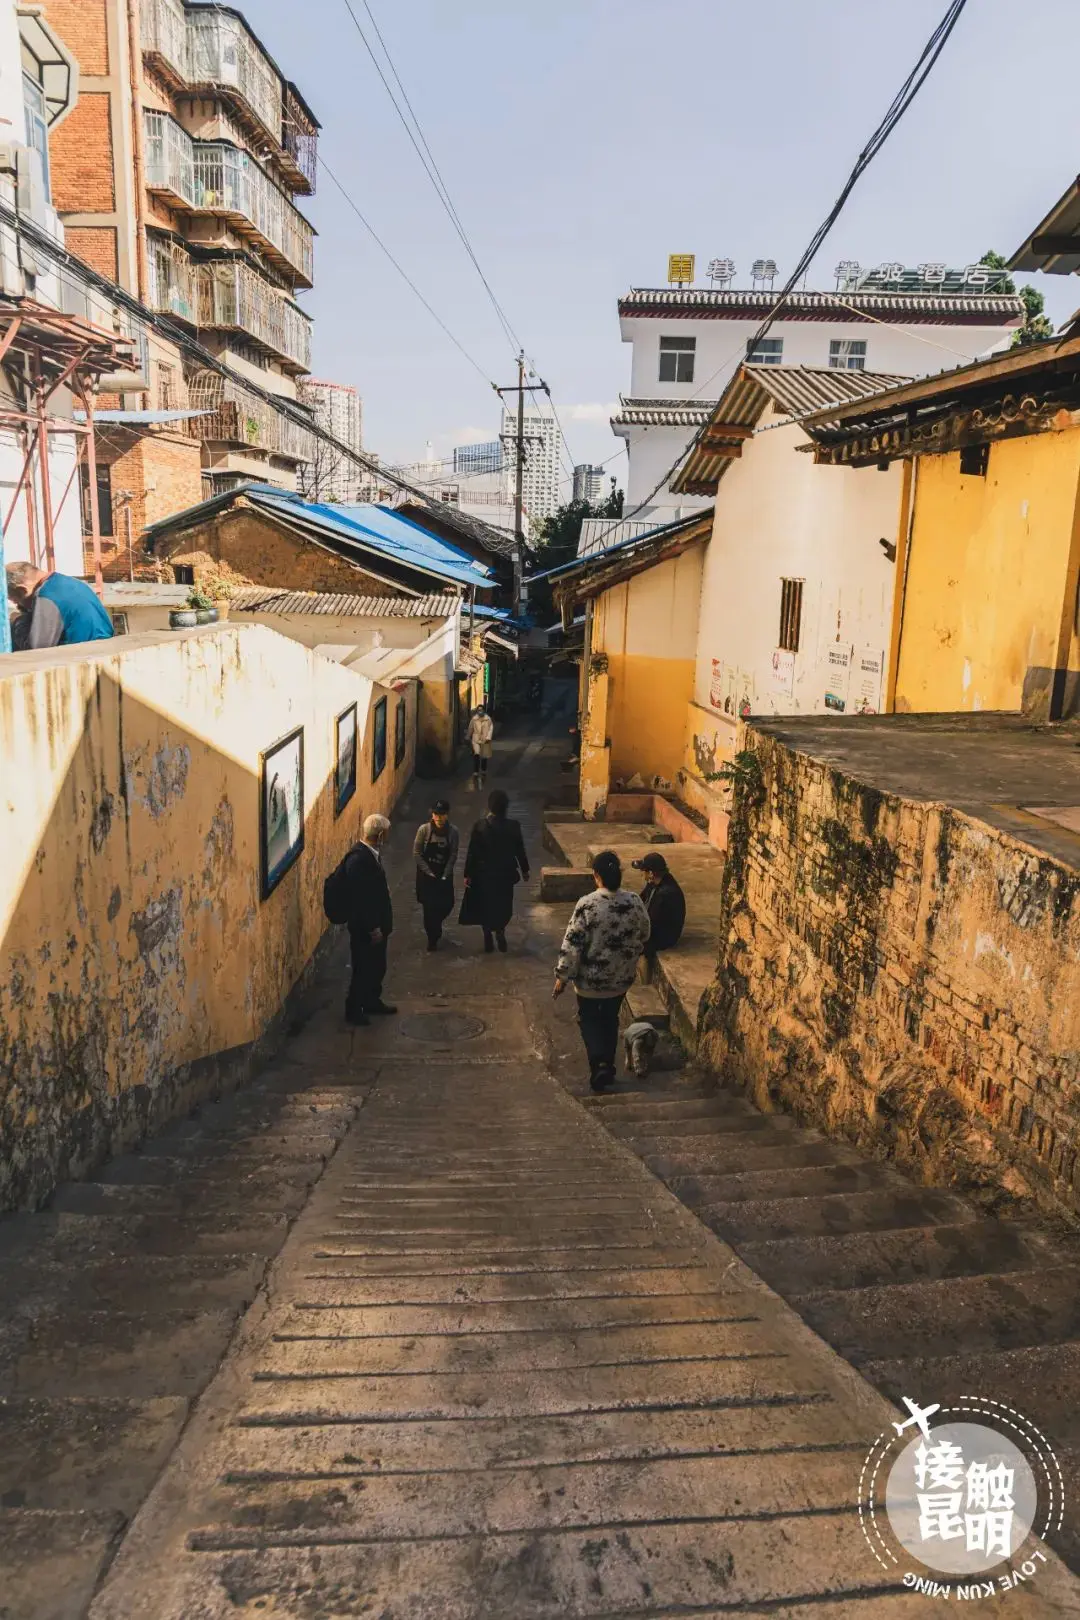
pixel 371 921
pixel 665 903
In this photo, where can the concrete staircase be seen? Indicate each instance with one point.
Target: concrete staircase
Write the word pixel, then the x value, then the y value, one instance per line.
pixel 120 1300
pixel 914 1286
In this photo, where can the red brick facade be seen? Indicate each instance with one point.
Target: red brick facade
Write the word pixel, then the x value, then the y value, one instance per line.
pixel 96 245
pixel 81 25
pixel 81 158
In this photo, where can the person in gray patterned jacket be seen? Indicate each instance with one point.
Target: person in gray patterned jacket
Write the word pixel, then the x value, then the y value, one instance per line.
pixel 604 938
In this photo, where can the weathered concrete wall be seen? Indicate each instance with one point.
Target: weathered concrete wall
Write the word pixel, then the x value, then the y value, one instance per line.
pixel 263 553
pixel 138 962
pixel 900 974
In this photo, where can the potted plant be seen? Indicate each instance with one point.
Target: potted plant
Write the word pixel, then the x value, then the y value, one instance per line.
pixel 182 618
pixel 205 611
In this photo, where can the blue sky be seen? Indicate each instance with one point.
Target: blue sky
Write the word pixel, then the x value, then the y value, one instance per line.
pixel 584 140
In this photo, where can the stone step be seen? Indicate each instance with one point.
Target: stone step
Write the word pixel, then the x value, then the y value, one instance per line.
pixel 643 1004
pixel 51 1563
pixel 333 1354
pixel 864 1259
pixel 62 1453
pixel 659 1115
pixel 476 1320
pixel 517 1242
pixel 136 1170
pixel 218 1199
pixel 341 1284
pixel 693 1149
pixel 72 1239
pixel 753 1218
pixel 499 1393
pixel 690 1161
pixel 733 1114
pixel 930 1318
pixel 1039 1380
pixel 357 1261
pixel 113 1353
pixel 587 1573
pixel 499 1502
pixel 542 1442
pixel 798 1181
pixel 135 1282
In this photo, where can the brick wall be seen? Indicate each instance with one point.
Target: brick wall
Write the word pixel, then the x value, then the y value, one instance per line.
pixel 265 555
pixel 162 474
pixel 81 24
pixel 902 975
pixel 96 244
pixel 81 158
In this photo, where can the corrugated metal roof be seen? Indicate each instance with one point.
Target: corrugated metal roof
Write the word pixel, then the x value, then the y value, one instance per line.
pixel 484 534
pixel 717 303
pixel 1060 255
pixel 140 418
pixel 797 391
pixel 659 532
pixel 600 534
pixel 344 604
pixel 662 412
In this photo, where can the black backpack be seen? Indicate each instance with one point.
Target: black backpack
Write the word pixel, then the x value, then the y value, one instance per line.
pixel 335 894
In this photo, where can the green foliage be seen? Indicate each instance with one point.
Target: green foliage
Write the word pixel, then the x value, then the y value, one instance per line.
pixel 556 542
pixel 199 600
pixel 743 774
pixel 1037 326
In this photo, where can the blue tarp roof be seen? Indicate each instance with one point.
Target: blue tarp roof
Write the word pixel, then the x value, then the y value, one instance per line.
pixel 373 528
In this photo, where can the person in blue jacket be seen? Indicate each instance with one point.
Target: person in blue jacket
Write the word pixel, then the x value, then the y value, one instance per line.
pixel 60 609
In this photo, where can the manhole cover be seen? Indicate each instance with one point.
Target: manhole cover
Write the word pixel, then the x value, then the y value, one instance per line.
pixel 440 1027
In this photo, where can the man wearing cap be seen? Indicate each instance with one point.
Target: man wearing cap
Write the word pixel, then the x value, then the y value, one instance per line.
pixel 435 850
pixel 665 903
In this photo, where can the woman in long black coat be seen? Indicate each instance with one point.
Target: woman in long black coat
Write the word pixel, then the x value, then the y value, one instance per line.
pixel 495 862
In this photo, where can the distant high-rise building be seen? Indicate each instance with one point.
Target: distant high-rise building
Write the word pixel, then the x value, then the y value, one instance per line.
pixel 331 475
pixel 543 455
pixel 589 483
pixel 475 460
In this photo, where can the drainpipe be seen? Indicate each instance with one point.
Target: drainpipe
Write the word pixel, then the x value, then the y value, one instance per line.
pixel 135 66
pixel 903 563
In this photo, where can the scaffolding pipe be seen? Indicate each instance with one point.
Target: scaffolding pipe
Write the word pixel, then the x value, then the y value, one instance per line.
pixel 91 478
pixel 46 481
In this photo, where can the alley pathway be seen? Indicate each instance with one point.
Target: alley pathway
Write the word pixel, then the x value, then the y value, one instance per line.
pixel 493 1368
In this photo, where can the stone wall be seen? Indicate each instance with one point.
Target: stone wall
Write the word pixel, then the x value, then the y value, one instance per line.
pixel 262 552
pixel 141 969
pixel 900 974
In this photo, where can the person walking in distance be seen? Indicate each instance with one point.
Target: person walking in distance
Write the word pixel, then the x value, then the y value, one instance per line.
pixel 606 934
pixel 371 921
pixel 480 733
pixel 435 850
pixel 495 862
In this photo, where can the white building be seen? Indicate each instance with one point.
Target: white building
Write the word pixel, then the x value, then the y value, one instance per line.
pixel 590 483
pixel 543 457
pixel 332 476
pixel 687 341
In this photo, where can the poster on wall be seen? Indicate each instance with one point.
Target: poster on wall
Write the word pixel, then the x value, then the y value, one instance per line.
pixel 344 758
pixel 744 694
pixel 866 677
pixel 716 685
pixel 281 819
pixel 837 678
pixel 782 683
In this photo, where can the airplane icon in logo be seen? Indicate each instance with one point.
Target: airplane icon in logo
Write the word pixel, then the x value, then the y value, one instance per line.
pixel 920 1415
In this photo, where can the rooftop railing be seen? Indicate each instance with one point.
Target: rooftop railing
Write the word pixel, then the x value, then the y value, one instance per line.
pixel 164 32
pixel 233 416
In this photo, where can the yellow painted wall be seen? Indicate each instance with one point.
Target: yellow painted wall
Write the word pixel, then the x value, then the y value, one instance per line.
pixel 135 947
pixel 647 628
pixel 986 576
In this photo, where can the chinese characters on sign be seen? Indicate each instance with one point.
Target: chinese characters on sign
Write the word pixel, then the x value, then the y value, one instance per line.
pixel 680 269
pixel 837 676
pixel 865 683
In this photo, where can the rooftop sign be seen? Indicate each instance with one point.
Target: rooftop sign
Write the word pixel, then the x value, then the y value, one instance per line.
pixel 925 278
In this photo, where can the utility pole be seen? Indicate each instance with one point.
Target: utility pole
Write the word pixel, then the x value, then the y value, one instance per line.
pixel 519 388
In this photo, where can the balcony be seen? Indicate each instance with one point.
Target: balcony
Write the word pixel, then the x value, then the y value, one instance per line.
pixel 223 56
pixel 172 279
pixel 236 417
pixel 234 297
pixel 164 38
pixel 300 142
pixel 214 177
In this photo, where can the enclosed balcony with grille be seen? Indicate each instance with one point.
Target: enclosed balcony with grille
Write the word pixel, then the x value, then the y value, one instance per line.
pixel 215 177
pixel 300 141
pixel 171 280
pixel 233 416
pixel 225 57
pixel 234 297
pixel 164 38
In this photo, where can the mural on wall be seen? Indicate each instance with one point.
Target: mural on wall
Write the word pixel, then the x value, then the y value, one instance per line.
pixel 345 758
pixel 281 821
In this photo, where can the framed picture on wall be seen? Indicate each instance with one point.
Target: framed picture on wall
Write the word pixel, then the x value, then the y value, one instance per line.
pixel 399 731
pixel 378 740
pixel 281 818
pixel 344 758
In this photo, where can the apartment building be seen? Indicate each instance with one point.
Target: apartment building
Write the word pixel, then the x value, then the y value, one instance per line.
pixel 543 458
pixel 175 174
pixel 331 475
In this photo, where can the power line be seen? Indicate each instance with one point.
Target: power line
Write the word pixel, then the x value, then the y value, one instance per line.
pixel 166 327
pixel 477 367
pixel 897 108
pixel 430 167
